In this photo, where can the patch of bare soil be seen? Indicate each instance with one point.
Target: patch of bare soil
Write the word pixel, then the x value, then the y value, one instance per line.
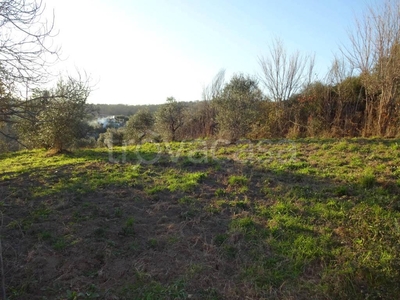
pixel 108 243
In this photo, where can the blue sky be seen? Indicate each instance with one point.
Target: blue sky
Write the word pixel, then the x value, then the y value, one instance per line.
pixel 143 51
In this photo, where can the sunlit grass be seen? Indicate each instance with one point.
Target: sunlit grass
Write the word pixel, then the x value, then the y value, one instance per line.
pixel 311 218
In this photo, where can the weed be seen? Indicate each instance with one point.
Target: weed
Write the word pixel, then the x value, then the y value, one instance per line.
pixel 154 190
pixel 323 223
pixel 194 269
pixel 77 216
pixel 184 182
pixel 134 246
pixel 129 222
pixel 74 295
pixel 186 200
pixel 238 180
pixel 341 146
pixel 367 180
pixel 44 236
pixel 189 214
pixel 60 244
pixel 152 243
pixel 118 212
pixel 128 229
pixel 210 294
pixel 243 204
pixel 213 208
pixel 14 224
pixel 220 192
pixel 244 224
pixel 342 191
pixel 220 239
pixel 173 240
pixel 41 213
pixel 146 288
pixel 353 148
pixel 229 251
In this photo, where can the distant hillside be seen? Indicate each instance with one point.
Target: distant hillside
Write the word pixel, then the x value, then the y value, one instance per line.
pixel 123 109
pixel 126 110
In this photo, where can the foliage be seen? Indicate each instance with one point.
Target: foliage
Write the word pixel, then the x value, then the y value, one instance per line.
pixel 170 117
pixel 237 107
pixel 199 120
pixel 139 126
pixel 359 96
pixel 201 115
pixel 375 53
pixel 58 116
pixel 25 53
pixel 112 137
pixel 283 74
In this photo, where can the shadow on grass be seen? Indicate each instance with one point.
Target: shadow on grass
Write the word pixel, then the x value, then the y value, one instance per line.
pixel 358 141
pixel 115 223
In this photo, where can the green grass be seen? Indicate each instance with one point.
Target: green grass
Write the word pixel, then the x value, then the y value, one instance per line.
pixel 177 181
pixel 238 180
pixel 293 219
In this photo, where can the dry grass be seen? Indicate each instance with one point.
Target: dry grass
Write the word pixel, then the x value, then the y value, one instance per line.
pixel 307 219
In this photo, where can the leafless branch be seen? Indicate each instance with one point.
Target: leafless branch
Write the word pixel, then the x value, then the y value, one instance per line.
pixel 374 52
pixel 25 49
pixel 214 89
pixel 285 74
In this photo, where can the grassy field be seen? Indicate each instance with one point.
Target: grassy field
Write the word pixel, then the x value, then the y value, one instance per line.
pixel 303 219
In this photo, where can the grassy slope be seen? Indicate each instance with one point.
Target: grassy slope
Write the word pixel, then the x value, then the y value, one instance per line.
pixel 307 219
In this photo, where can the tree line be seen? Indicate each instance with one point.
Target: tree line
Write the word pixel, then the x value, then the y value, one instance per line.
pixel 123 109
pixel 359 96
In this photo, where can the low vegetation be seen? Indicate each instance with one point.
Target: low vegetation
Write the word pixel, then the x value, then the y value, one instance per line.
pixel 215 218
pixel 304 219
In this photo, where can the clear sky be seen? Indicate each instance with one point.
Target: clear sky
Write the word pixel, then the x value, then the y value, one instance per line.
pixel 143 51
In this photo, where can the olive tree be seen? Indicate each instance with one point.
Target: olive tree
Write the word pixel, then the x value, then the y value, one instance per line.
pixel 169 118
pixel 139 126
pixel 237 107
pixel 58 115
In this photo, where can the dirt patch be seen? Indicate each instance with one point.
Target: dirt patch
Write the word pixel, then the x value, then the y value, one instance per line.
pixel 97 230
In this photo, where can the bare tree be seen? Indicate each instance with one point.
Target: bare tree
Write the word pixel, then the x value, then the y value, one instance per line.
pixel 25 49
pixel 206 110
pixel 284 74
pixel 214 89
pixel 26 52
pixel 339 71
pixel 374 51
pixel 60 121
pixel 344 98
